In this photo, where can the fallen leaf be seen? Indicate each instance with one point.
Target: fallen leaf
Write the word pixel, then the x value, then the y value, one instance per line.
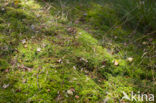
pixel 71 30
pixel 72 89
pixel 48 90
pixel 7 70
pixel 2 9
pixel 59 61
pixel 24 81
pixel 144 43
pixel 32 27
pixel 130 59
pixel 23 41
pixel 25 46
pixel 104 62
pixel 74 67
pixel 115 37
pixel 150 39
pixel 125 44
pixel 5 86
pixel 38 49
pixel 18 90
pixel 70 92
pixel 83 59
pixel 76 96
pixel 116 63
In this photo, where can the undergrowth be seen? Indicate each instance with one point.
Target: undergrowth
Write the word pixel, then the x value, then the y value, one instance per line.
pixel 83 51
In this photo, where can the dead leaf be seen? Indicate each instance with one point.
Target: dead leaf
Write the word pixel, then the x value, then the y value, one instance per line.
pixel 130 59
pixel 38 49
pixel 71 30
pixel 76 96
pixel 70 92
pixel 150 39
pixel 5 86
pixel 83 59
pixel 48 90
pixel 104 63
pixel 7 70
pixel 18 90
pixel 74 67
pixel 59 61
pixel 2 9
pixel 32 27
pixel 116 63
pixel 72 89
pixel 24 81
pixel 144 43
pixel 25 46
pixel 23 41
pixel 77 22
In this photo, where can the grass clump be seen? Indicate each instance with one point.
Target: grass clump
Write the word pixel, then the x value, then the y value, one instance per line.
pixel 102 16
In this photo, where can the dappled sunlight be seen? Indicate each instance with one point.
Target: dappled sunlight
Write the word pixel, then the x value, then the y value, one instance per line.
pixel 82 51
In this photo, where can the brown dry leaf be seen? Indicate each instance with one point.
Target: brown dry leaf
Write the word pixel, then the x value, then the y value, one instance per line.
pixel 104 63
pixel 71 30
pixel 18 90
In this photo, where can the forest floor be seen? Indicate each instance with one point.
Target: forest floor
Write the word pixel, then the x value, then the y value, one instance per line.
pixel 63 52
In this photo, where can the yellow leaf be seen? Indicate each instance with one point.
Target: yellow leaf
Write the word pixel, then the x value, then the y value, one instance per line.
pixel 16 2
pixel 116 63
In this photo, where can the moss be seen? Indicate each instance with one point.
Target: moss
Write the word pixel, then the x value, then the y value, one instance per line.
pixel 48 61
pixel 116 85
pixel 86 39
pixel 17 13
pixel 1 20
pixel 3 64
